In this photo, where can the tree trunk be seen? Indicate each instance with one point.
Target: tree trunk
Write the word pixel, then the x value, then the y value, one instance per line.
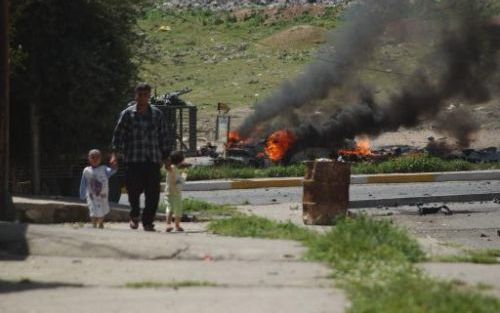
pixel 35 148
pixel 6 207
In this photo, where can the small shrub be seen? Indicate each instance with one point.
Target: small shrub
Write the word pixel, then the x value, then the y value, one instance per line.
pixel 364 240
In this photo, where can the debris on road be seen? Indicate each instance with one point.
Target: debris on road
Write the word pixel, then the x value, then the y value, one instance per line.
pixel 433 210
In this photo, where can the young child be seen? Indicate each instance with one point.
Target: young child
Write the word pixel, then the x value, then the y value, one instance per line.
pixel 94 187
pixel 173 190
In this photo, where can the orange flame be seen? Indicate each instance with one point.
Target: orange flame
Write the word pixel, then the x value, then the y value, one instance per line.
pixel 362 149
pixel 233 137
pixel 278 144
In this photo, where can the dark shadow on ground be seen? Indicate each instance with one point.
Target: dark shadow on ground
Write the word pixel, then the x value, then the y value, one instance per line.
pixel 13 242
pixel 26 284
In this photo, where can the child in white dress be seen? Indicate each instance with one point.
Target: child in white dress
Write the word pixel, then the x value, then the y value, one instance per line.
pixel 94 187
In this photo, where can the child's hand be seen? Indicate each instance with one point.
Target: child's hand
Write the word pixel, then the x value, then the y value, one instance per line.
pixel 114 160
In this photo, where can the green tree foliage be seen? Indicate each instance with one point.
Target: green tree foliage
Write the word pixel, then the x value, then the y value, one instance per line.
pixel 73 60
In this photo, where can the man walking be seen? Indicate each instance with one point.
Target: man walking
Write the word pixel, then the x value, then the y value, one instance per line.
pixel 141 135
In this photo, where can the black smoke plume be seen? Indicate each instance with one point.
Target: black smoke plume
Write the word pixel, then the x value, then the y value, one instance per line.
pixel 354 44
pixel 461 67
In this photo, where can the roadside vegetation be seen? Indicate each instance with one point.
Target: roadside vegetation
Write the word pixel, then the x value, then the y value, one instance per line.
pixel 373 261
pixel 474 256
pixel 406 164
pixel 203 210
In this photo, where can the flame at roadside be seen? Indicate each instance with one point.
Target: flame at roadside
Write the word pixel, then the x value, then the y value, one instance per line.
pixel 363 148
pixel 233 138
pixel 278 144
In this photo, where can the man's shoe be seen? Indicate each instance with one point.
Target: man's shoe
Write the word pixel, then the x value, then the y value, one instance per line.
pixel 134 224
pixel 150 227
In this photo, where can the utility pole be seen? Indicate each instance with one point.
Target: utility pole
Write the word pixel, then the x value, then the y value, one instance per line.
pixel 6 207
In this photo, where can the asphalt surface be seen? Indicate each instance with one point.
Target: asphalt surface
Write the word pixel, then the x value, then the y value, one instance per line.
pixel 357 192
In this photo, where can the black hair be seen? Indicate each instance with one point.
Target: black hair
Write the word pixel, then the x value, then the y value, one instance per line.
pixel 176 157
pixel 143 87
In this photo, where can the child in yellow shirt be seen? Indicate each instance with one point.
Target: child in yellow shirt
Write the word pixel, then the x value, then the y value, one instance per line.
pixel 173 191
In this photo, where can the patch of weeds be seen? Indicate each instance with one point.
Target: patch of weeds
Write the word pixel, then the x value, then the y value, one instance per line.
pixel 224 172
pixel 417 293
pixel 203 210
pixel 172 284
pixel 473 256
pixel 259 227
pixel 413 164
pixel 483 286
pixel 364 240
pixel 208 210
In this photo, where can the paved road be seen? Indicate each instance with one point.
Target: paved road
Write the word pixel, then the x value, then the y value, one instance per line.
pixel 358 192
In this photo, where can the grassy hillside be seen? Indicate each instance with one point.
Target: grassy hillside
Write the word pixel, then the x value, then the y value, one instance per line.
pixel 234 58
pixel 239 58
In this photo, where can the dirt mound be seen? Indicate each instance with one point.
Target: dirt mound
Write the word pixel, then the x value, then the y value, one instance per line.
pixel 274 14
pixel 292 12
pixel 297 37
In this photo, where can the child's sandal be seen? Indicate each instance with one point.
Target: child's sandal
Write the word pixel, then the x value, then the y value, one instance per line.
pixel 169 229
pixel 179 229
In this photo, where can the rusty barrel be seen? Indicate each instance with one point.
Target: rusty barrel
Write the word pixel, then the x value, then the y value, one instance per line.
pixel 326 191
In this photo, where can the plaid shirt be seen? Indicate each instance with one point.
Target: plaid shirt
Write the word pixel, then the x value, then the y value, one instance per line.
pixel 141 137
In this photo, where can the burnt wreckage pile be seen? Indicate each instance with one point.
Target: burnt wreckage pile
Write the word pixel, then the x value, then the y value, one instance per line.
pixel 259 152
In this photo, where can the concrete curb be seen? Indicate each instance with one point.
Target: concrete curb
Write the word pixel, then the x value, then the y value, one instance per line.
pixel 395 202
pixel 209 185
pixel 65 210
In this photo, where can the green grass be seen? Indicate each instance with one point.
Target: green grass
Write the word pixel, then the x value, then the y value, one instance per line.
pixel 364 241
pixel 171 284
pixel 474 256
pixel 373 261
pixel 259 227
pixel 406 164
pixel 204 210
pixel 419 294
pixel 413 164
pixel 224 172
pixel 221 58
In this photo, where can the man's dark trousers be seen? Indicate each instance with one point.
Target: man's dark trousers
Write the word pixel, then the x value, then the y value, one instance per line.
pixel 143 177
